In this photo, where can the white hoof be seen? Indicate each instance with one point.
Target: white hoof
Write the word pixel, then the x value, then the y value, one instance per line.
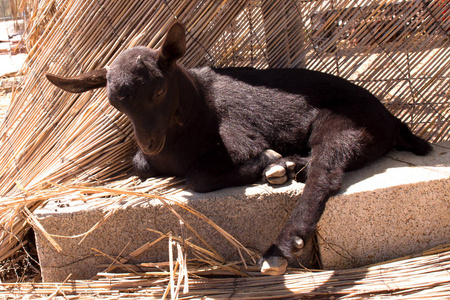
pixel 274 265
pixel 275 171
pixel 272 155
pixel 298 242
pixel 290 165
pixel 277 180
pixel 276 174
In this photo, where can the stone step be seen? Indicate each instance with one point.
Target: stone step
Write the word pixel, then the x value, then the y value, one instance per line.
pixel 396 206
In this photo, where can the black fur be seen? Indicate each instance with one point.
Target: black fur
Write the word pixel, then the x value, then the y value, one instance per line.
pixel 213 127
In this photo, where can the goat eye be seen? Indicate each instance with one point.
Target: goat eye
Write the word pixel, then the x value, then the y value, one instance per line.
pixel 161 91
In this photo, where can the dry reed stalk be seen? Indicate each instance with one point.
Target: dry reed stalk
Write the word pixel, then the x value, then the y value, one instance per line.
pixel 167 202
pixel 421 276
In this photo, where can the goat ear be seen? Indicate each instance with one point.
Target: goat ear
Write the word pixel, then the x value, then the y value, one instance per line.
pixel 81 83
pixel 174 45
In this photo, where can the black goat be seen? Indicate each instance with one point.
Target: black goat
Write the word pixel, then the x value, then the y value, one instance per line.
pixel 229 127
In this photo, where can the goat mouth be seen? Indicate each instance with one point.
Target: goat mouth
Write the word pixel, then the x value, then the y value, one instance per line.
pixel 156 147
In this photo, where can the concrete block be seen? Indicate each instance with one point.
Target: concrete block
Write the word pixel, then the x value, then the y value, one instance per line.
pixel 395 206
pixel 253 215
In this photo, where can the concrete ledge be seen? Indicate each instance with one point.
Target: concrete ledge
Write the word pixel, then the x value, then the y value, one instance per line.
pixel 253 215
pixel 396 206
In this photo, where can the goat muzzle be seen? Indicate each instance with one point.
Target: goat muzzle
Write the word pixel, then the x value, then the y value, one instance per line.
pixel 152 146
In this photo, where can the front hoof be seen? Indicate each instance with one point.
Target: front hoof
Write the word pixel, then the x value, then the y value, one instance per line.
pixel 275 174
pixel 274 265
pixel 279 172
pixel 271 155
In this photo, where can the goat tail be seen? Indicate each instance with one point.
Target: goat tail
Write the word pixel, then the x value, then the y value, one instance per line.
pixel 407 141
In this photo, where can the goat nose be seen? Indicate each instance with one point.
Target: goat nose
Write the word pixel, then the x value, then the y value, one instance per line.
pixel 145 144
pixel 150 144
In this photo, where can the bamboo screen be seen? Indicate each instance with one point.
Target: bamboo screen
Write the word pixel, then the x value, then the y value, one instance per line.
pixel 399 50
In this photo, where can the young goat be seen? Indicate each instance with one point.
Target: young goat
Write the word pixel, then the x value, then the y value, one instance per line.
pixel 228 127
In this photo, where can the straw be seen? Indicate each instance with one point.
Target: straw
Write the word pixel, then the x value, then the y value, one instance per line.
pixel 422 276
